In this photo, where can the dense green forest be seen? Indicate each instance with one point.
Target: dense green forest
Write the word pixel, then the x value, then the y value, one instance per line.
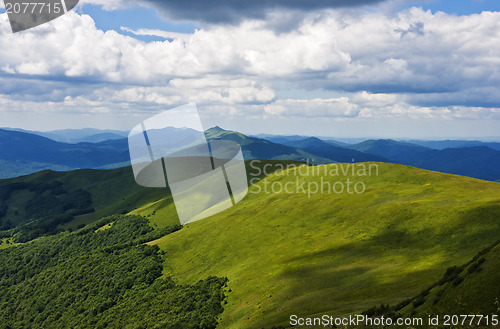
pixel 44 207
pixel 101 276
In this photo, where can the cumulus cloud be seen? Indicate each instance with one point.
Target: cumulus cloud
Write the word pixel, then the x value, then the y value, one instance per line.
pixel 334 107
pixel 413 64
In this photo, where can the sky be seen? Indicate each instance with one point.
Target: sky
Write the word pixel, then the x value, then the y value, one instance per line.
pixel 341 68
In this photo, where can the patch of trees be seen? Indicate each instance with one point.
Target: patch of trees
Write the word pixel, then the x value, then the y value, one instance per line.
pixel 101 279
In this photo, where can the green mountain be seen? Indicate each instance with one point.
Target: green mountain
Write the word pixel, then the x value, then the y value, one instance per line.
pixel 388 236
pixel 256 148
pixel 47 202
pixel 312 254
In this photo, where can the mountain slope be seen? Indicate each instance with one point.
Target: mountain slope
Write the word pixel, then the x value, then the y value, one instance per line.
pixel 101 278
pixel 312 254
pixel 470 288
pixel 44 202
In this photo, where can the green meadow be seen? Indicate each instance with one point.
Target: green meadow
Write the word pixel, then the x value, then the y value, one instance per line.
pixel 312 253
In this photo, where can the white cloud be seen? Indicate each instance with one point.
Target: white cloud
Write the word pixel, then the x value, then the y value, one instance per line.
pixel 338 107
pixel 415 64
pixel 158 33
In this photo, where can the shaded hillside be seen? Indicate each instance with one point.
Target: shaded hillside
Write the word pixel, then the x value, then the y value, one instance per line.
pixel 470 288
pixel 40 203
pixel 47 201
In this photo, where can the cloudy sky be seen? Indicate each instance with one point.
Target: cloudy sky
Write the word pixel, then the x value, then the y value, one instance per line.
pixel 340 68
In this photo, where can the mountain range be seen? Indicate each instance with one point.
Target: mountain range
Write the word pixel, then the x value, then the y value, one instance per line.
pixel 73 136
pixel 24 152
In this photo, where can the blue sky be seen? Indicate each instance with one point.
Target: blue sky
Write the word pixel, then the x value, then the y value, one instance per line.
pixel 365 68
pixel 459 7
pixel 138 16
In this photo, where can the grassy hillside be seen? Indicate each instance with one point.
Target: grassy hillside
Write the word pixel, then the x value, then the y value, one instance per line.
pixel 45 201
pixel 471 288
pixel 333 253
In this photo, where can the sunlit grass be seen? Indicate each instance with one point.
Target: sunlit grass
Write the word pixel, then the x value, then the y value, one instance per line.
pixel 336 254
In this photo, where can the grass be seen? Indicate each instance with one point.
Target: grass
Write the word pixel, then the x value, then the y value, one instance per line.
pixel 333 253
pixel 475 290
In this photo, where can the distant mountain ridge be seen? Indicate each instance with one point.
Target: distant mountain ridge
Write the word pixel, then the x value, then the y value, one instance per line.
pixel 478 162
pixel 441 145
pixel 74 136
pixel 341 154
pixel 24 153
pixel 257 148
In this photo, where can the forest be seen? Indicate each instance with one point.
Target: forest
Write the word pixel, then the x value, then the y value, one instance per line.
pixel 102 276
